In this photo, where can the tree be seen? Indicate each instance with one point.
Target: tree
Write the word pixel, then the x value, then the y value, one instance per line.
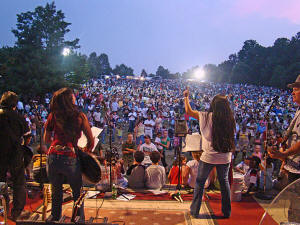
pixel 123 70
pixel 36 65
pixel 93 64
pixel 104 65
pixel 143 73
pixel 162 72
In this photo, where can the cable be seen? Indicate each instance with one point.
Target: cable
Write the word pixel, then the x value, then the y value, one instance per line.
pixel 99 208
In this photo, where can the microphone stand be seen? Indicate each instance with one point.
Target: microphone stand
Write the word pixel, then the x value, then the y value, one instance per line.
pixel 40 127
pixel 262 194
pixel 107 118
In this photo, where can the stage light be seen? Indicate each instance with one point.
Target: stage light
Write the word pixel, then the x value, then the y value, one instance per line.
pixel 66 51
pixel 117 76
pixel 142 78
pixel 199 74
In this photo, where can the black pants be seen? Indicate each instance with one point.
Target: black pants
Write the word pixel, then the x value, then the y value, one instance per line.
pixel 14 163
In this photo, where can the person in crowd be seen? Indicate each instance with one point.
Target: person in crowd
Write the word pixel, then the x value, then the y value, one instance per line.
pixel 217 147
pixel 147 148
pixel 174 172
pixel 128 149
pixel 117 173
pixel 257 151
pixel 67 123
pixel 13 128
pixel 139 132
pixel 149 126
pixel 136 172
pixel 165 144
pixel 132 117
pixel 192 168
pixel 155 174
pixel 97 117
pixel 104 183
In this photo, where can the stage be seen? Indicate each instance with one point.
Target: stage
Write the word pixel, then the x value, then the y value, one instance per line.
pixel 158 209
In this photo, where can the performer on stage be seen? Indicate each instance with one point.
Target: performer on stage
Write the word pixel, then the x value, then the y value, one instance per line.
pixel 291 156
pixel 217 127
pixel 65 122
pixel 13 127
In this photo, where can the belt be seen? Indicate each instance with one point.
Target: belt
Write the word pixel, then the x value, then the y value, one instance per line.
pixel 61 148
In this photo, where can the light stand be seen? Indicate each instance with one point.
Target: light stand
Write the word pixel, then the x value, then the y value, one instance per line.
pixel 180 131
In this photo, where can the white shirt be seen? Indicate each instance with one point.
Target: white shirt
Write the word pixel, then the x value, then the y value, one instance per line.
pixel 148 130
pixel 114 106
pixel 147 149
pixel 97 116
pixel 155 177
pixel 209 155
pixel 132 115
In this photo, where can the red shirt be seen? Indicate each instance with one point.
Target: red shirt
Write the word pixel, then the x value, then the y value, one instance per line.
pixel 59 135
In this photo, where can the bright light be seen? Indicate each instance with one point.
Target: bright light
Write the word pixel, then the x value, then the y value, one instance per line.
pixel 117 76
pixel 106 77
pixel 66 51
pixel 199 74
pixel 142 78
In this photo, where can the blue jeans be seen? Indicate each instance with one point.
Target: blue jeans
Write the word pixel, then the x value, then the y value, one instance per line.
pixel 140 138
pixel 61 168
pixel 131 125
pixel 203 172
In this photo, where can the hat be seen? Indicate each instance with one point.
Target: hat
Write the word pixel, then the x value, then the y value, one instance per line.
pixel 296 84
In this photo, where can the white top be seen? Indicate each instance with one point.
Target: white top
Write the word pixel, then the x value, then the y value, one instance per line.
pixel 132 115
pixel 193 165
pixel 157 140
pixel 209 155
pixel 147 149
pixel 97 116
pixel 155 177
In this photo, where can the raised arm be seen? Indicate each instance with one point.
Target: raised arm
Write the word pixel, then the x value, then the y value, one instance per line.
pixel 188 108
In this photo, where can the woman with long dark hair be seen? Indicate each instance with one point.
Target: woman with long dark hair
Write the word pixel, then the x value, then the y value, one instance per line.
pixel 217 127
pixel 63 129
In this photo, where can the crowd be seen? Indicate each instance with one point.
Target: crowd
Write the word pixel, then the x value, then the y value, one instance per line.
pixel 147 110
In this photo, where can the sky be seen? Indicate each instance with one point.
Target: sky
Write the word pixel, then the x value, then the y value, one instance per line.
pixel 177 34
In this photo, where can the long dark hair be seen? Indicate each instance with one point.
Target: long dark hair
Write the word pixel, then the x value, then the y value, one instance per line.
pixel 223 124
pixel 65 111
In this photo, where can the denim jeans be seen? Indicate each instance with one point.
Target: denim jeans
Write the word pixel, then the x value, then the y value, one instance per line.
pixel 131 125
pixel 61 168
pixel 140 138
pixel 203 172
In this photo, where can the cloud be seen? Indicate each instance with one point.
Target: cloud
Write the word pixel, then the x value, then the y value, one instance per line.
pixel 280 9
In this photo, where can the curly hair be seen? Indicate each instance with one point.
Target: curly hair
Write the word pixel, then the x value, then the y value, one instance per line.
pixel 65 111
pixel 223 124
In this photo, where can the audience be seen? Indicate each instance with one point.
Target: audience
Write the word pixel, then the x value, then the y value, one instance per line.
pixel 155 174
pixel 136 172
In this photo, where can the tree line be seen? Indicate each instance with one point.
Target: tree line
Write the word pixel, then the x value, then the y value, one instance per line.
pixel 35 64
